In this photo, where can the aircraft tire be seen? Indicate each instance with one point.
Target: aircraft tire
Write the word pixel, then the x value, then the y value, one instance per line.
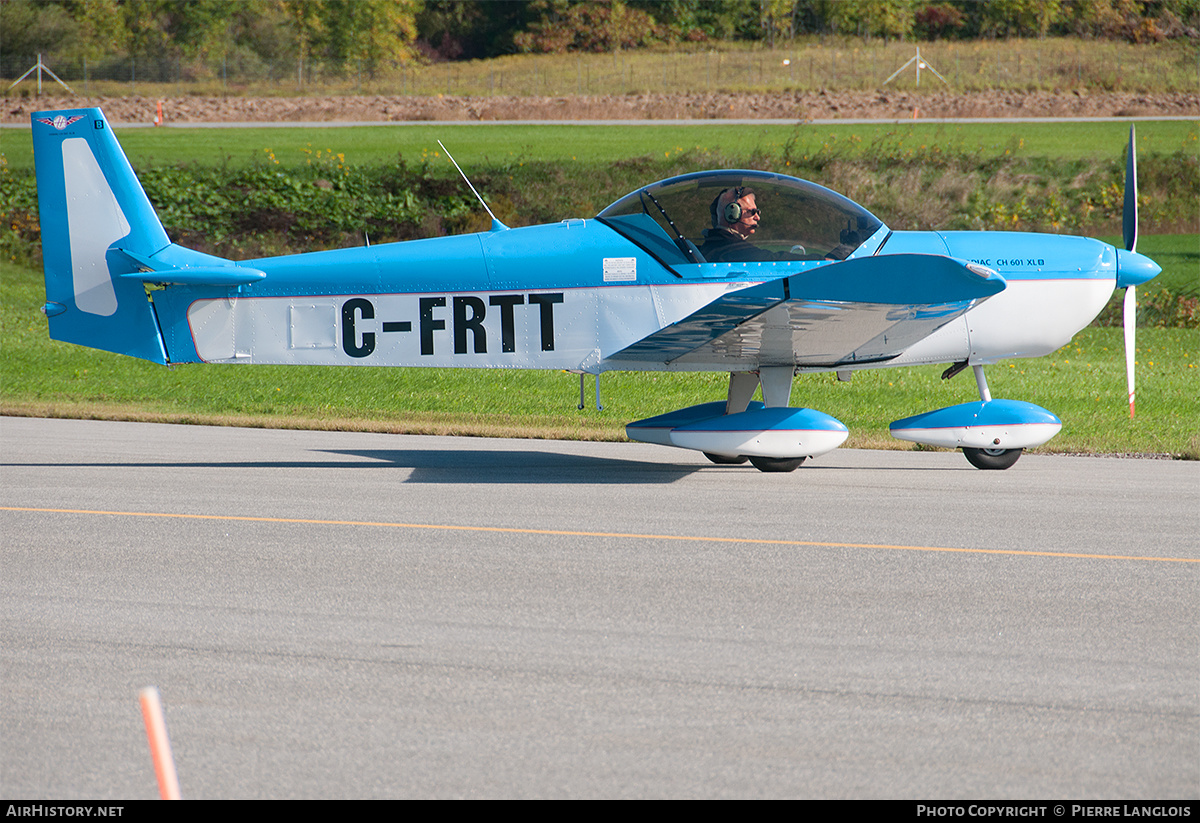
pixel 726 459
pixel 776 464
pixel 992 458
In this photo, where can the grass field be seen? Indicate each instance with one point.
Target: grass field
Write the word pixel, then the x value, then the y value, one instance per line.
pixel 591 145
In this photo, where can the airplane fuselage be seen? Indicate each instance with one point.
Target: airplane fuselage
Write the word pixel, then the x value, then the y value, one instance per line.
pixel 570 295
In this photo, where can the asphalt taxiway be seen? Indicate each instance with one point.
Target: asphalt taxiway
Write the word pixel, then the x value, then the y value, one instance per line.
pixel 365 615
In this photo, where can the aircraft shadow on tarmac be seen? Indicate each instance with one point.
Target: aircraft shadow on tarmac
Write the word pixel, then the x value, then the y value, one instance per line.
pixel 531 466
pixel 520 466
pixel 452 466
pixel 511 466
pixel 517 466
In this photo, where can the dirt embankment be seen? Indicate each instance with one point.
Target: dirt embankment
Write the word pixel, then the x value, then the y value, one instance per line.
pixel 877 105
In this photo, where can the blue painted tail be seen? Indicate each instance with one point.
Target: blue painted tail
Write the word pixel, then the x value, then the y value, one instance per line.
pixel 99 231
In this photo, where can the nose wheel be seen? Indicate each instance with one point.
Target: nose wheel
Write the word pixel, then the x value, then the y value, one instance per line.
pixel 989 458
pixel 992 458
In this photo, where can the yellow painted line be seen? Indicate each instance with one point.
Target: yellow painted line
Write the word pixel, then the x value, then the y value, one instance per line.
pixel 622 535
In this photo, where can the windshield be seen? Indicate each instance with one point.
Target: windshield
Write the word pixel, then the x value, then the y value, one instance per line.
pixel 792 219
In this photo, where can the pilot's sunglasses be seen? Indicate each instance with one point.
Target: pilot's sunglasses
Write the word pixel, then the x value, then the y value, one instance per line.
pixel 750 212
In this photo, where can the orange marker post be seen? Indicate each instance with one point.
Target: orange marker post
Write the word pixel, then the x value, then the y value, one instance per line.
pixel 160 745
pixel 158 121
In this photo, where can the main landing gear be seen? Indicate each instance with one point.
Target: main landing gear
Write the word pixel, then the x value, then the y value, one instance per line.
pixel 763 464
pixel 776 387
pixel 773 436
pixel 727 459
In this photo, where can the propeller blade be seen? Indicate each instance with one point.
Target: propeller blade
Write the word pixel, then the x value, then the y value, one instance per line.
pixel 1129 230
pixel 1129 216
pixel 1129 319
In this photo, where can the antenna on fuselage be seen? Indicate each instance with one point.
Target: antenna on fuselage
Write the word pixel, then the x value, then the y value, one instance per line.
pixel 496 224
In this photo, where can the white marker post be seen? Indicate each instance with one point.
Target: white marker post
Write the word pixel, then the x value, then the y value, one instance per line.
pixel 160 745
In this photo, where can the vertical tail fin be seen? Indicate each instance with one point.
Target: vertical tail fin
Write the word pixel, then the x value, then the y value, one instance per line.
pixel 92 207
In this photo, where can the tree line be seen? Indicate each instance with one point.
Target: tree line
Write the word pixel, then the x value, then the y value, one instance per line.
pixel 367 35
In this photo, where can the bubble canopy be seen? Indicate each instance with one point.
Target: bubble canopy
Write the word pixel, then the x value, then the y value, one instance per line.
pixel 798 220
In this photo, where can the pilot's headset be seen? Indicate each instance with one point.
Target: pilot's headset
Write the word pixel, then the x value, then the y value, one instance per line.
pixel 733 209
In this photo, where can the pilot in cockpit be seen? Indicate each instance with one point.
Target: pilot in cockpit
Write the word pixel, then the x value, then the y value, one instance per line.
pixel 735 217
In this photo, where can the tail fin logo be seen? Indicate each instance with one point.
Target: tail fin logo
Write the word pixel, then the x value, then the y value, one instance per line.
pixel 60 122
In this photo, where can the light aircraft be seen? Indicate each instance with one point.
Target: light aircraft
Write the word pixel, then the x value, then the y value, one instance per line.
pixel 823 285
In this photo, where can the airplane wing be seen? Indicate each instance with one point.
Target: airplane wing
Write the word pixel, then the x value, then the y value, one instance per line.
pixel 849 313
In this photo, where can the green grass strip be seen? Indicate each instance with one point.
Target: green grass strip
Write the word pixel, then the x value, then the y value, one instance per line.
pixel 500 144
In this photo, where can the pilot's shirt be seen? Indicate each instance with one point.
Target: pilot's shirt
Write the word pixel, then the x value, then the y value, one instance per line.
pixel 727 246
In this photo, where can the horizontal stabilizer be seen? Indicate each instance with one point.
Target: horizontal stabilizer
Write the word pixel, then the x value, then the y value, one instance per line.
pixel 151 270
pixel 210 276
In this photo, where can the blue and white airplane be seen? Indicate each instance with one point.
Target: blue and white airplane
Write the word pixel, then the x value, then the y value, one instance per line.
pixel 759 275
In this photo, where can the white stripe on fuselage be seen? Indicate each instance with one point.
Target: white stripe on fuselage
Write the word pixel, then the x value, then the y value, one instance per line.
pixel 536 328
